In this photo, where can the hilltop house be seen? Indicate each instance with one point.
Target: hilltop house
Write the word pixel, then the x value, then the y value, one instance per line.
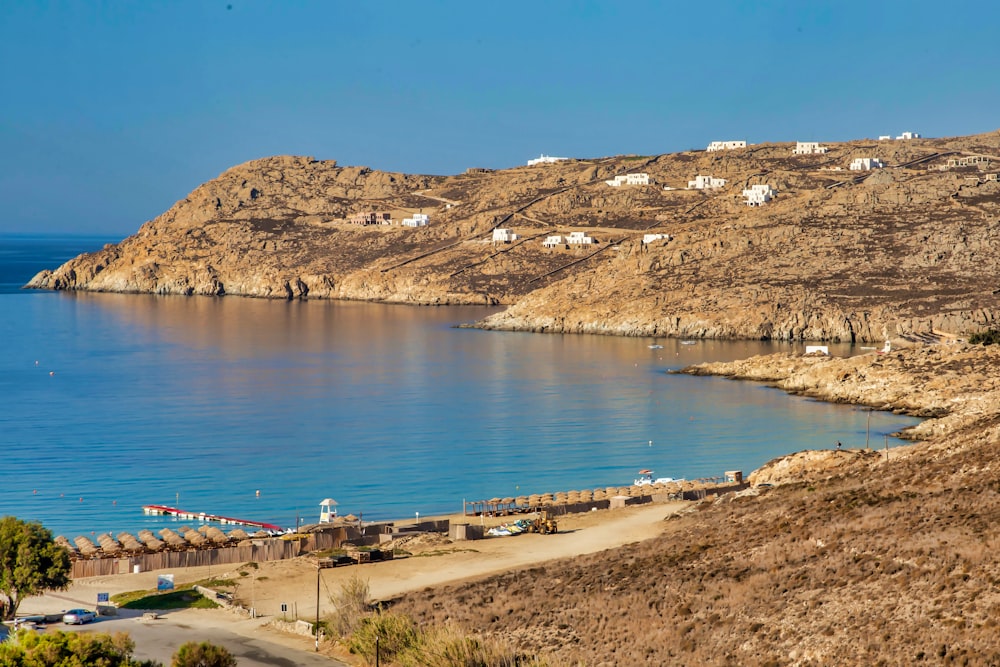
pixel 808 148
pixel 366 218
pixel 725 145
pixel 909 135
pixel 629 179
pixel 579 238
pixel 758 195
pixel 553 241
pixel 649 238
pixel 706 183
pixel 501 235
pixel 546 159
pixel 418 220
pixel 866 164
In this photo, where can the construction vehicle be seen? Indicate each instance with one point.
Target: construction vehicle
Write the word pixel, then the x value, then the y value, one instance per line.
pixel 544 523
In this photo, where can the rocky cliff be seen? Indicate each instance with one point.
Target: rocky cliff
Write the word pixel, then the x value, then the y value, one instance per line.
pixel 904 251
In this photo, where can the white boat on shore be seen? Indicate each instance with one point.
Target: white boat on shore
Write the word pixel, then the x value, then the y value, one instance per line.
pixel 645 478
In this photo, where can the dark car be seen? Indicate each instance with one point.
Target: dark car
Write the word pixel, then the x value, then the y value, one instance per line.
pixel 343 559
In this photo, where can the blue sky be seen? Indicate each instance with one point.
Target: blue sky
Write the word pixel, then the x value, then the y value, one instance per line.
pixel 112 111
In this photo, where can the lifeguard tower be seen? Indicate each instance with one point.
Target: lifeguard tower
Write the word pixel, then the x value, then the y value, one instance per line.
pixel 327 510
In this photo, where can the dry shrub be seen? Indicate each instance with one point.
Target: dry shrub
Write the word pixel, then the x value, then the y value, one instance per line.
pixel 352 603
pixel 451 648
pixel 395 635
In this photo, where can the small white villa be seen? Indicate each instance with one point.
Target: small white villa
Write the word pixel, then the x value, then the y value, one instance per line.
pixel 808 148
pixel 758 195
pixel 579 238
pixel 866 164
pixel 706 183
pixel 553 241
pixel 909 135
pixel 418 220
pixel 546 159
pixel 885 137
pixel 649 238
pixel 629 179
pixel 725 145
pixel 501 235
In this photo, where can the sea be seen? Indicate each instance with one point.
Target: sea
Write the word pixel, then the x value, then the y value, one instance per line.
pixel 261 409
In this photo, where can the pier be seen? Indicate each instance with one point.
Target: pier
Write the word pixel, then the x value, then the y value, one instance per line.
pixel 202 516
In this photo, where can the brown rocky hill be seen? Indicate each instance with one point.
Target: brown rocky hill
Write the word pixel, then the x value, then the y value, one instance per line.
pixel 838 255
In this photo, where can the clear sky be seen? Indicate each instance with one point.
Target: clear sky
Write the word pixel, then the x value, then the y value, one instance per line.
pixel 112 111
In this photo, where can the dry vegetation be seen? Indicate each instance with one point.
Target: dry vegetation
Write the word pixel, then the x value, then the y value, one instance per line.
pixel 894 567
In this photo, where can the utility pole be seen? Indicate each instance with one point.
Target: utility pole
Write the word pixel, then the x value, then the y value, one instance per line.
pixel 868 431
pixel 317 607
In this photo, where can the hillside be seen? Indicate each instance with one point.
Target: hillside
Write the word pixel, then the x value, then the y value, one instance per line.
pixel 837 255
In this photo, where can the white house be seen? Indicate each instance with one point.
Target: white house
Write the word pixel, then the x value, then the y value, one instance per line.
pixel 553 241
pixel 866 164
pixel 808 148
pixel 758 195
pixel 501 235
pixel 649 238
pixel 706 183
pixel 884 137
pixel 418 220
pixel 909 135
pixel 725 145
pixel 579 238
pixel 546 159
pixel 629 179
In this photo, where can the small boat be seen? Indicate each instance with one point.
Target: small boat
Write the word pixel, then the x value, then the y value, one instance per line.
pixel 656 347
pixel 688 342
pixel 645 478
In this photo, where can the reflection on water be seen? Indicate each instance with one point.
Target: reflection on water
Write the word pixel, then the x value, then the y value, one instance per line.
pixel 388 409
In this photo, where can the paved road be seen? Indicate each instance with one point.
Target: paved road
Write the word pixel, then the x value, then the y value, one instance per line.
pixel 159 639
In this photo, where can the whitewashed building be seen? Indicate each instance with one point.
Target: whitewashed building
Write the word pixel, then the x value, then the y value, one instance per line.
pixel 553 241
pixel 884 137
pixel 649 238
pixel 629 179
pixel 501 235
pixel 758 195
pixel 909 135
pixel 706 183
pixel 579 238
pixel 725 145
pixel 866 164
pixel 546 159
pixel 808 148
pixel 418 220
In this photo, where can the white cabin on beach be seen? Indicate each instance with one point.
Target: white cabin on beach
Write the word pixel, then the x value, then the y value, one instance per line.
pixel 866 164
pixel 808 148
pixel 706 183
pixel 629 179
pixel 725 145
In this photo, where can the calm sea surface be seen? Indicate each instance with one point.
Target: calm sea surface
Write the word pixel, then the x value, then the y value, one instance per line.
pixel 109 402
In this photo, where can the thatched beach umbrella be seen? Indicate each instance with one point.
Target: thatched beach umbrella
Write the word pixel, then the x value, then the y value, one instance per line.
pixel 86 547
pixel 195 538
pixel 522 501
pixel 130 544
pixel 261 533
pixel 238 534
pixel 599 494
pixel 173 539
pixel 65 544
pixel 150 540
pixel 216 535
pixel 109 545
pixel 586 496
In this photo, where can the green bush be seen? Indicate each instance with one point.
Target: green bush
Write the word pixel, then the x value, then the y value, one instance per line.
pixel 989 337
pixel 396 635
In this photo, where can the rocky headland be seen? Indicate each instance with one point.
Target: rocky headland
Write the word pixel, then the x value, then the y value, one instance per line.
pixel 904 252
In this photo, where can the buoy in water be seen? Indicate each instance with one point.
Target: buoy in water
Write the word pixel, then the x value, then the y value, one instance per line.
pixel 258 493
pixel 51 373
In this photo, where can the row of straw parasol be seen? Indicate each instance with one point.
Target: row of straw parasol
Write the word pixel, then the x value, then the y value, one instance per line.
pixel 575 497
pixel 145 541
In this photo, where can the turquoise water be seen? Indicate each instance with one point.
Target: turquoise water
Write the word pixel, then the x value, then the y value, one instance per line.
pixel 110 402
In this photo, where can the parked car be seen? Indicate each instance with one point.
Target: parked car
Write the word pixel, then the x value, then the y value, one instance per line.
pixel 343 560
pixel 78 616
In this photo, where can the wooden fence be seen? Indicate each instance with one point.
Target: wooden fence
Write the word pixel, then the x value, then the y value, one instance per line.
pixel 257 551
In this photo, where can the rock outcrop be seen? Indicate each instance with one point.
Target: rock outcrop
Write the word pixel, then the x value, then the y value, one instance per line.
pixel 901 252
